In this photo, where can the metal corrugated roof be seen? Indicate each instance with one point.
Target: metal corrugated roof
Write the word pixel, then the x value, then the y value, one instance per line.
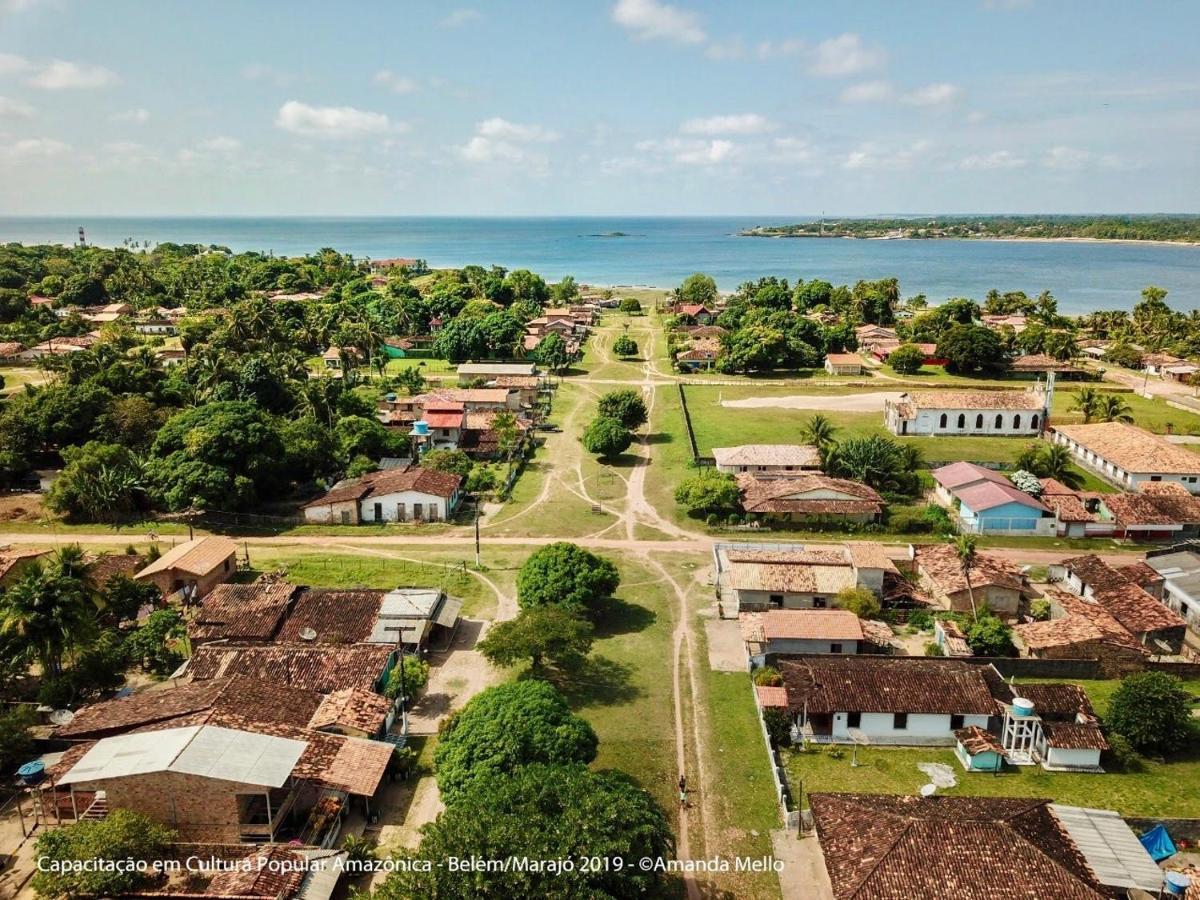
pixel 208 750
pixel 1110 847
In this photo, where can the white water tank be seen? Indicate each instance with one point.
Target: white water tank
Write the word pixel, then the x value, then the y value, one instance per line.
pixel 1022 708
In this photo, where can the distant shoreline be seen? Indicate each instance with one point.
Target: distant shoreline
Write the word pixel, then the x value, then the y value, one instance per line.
pixel 1015 238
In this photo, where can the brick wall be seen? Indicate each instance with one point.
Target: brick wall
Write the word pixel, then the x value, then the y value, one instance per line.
pixel 200 809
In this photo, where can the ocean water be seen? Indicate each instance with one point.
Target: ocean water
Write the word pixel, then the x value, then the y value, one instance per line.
pixel 662 251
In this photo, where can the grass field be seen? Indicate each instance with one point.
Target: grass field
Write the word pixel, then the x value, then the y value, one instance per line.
pixel 1155 790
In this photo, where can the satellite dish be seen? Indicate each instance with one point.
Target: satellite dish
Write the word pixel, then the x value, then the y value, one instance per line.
pixel 61 717
pixel 928 790
pixel 308 634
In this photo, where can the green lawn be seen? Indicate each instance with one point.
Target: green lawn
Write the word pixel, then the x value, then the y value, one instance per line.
pixel 1157 790
pixel 321 568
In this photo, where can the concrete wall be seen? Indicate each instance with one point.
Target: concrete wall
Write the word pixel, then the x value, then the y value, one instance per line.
pixel 1025 423
pixel 753 600
pixel 1056 756
pixel 1000 600
pixel 170 580
pixel 332 513
pixel 799 645
pixel 923 728
pixel 1129 480
pixel 389 504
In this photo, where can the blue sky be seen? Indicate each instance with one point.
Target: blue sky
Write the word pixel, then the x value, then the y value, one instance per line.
pixel 761 107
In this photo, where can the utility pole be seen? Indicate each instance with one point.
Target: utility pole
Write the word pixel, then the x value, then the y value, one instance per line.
pixel 478 564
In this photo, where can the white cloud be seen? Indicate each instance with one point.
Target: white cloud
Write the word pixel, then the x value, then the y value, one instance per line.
pixel 741 123
pixel 844 55
pixel 138 116
pixel 336 122
pixel 263 72
pixel 460 17
pixel 689 151
pixel 11 64
pixel 874 157
pixel 397 84
pixel 61 75
pixel 733 48
pixel 792 150
pixel 867 92
pixel 940 94
pixel 988 162
pixel 221 144
pixel 1070 159
pixel 785 47
pixel 14 109
pixel 499 140
pixel 33 148
pixel 650 20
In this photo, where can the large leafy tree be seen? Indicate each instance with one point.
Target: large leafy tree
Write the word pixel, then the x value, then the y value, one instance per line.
pixel 122 835
pixel 564 574
pixel 461 339
pixel 99 482
pixel 505 728
pixel 606 437
pixel 540 634
pixel 698 289
pixel 542 813
pixel 876 461
pixel 970 349
pixel 625 405
pixel 551 352
pixel 1152 711
pixel 708 491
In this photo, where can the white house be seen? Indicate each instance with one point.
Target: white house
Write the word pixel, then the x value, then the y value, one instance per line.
pixel 843 364
pixel 1129 456
pixel 891 700
pixel 794 631
pixel 789 576
pixel 1000 413
pixel 767 459
pixel 408 494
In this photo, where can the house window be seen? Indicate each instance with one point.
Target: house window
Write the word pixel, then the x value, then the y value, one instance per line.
pixel 1033 423
pixel 1156 478
pixel 853 720
pixel 979 421
pixel 942 421
pixel 999 420
pixel 1016 422
pixel 818 602
pixel 900 721
pixel 777 601
pixel 957 722
pixel 445 432
pixel 962 421
pixel 835 648
pixel 226 565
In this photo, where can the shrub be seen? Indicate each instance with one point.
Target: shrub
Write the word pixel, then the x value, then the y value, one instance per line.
pixel 779 727
pixel 1121 753
pixel 933 648
pixel 708 492
pixel 631 306
pixel 1040 610
pixel 625 346
pixel 990 637
pixel 768 676
pixel 416 676
pixel 920 620
pixel 1152 711
pixel 859 600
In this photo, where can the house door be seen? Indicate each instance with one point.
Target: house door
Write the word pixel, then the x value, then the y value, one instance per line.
pixel 378 512
pixel 418 511
pixel 399 512
pixel 433 512
pixel 345 517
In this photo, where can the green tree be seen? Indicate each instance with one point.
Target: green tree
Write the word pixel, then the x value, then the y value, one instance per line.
pixel 631 306
pixel 155 643
pixel 454 461
pixel 708 491
pixel 819 431
pixel 410 677
pixel 625 346
pixel 461 339
pixel 508 433
pixel 1153 712
pixel 551 352
pixel 99 482
pixel 698 289
pixel 526 287
pixel 539 634
pixel 122 835
pixel 542 812
pixel 626 406
pixel 504 728
pixel 859 600
pixel 875 461
pixel 988 636
pixel 50 609
pixel 1124 354
pixel 16 736
pixel 1113 408
pixel 970 349
pixel 1085 401
pixel 906 359
pixel 564 574
pixel 606 437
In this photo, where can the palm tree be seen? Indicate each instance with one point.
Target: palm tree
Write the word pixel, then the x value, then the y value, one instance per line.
pixel 964 549
pixel 875 461
pixel 1085 401
pixel 50 611
pixel 819 431
pixel 1054 461
pixel 1111 408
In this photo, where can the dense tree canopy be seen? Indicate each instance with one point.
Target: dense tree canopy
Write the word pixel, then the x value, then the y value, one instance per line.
pixel 539 634
pixel 504 728
pixel 606 437
pixel 625 405
pixel 564 574
pixel 1152 711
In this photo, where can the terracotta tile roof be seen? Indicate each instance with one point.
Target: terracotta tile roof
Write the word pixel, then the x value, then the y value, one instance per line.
pixel 844 359
pixel 821 575
pixel 352 708
pixel 886 685
pixel 877 632
pixel 1068 507
pixel 990 494
pixel 976 740
pixel 1152 509
pixel 1160 359
pixel 694 309
pixel 14 556
pixel 1137 611
pixel 1139 573
pixel 868 555
pixel 323 668
pixel 814 624
pixel 954 639
pixel 787 495
pixel 1133 449
pixel 800 455
pixel 882 847
pixel 10 348
pixel 1040 362
pixel 1074 736
pixel 959 474
pixel 940 564
pixel 104 566
pixel 701 331
pixel 1052 486
pixel 1083 622
pixel 1060 700
pixel 1093 571
pixel 443 419
pixel 358 766
pixel 389 481
pixel 517 381
pixel 770 697
pixel 200 702
pixel 337 616
pixel 241 612
pixel 196 557
pixel 982 400
pixel 275 873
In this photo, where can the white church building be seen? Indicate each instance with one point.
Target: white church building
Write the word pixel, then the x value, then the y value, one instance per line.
pixel 1006 413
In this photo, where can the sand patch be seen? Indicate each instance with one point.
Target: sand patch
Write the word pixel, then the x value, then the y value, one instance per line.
pixel 869 402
